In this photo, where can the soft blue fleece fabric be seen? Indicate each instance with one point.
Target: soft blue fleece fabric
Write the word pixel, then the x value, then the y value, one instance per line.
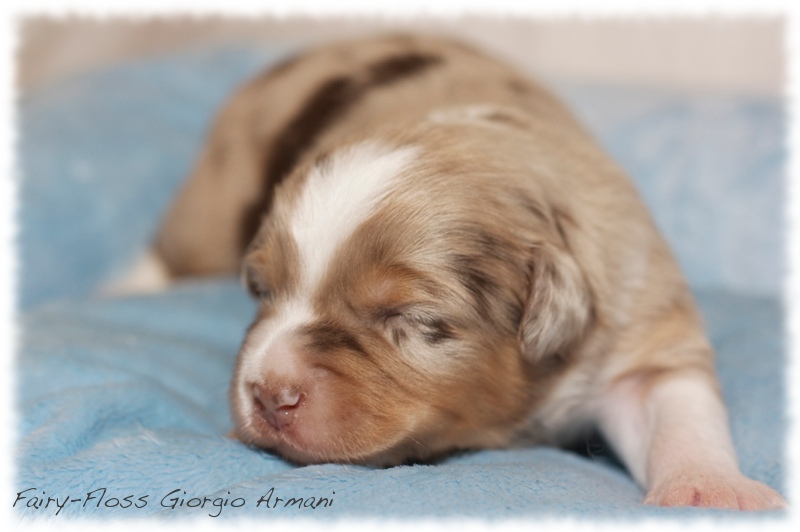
pixel 131 394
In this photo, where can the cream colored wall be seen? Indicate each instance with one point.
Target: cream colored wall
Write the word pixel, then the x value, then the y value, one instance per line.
pixel 744 54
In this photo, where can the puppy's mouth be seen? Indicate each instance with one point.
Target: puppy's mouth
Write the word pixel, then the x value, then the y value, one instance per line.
pixel 280 431
pixel 279 421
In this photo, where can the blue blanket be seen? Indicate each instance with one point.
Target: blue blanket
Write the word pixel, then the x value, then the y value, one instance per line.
pixel 131 395
pixel 123 402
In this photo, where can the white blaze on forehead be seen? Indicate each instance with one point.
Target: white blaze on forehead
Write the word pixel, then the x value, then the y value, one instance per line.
pixel 337 197
pixel 267 347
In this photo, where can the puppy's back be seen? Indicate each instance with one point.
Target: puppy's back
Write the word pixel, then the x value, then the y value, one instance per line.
pixel 306 105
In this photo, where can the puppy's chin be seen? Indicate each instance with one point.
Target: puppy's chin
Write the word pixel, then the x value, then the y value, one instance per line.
pixel 295 448
pixel 304 444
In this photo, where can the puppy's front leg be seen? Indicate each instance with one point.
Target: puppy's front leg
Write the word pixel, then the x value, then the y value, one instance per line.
pixel 671 430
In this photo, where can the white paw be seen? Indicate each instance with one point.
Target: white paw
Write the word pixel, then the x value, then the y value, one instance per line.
pixel 714 490
pixel 147 275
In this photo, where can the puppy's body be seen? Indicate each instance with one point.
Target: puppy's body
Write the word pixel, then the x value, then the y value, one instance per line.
pixel 444 259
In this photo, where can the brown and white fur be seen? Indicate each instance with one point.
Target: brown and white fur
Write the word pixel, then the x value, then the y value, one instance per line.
pixel 444 259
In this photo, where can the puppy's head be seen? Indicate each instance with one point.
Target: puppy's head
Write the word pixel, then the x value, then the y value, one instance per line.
pixel 409 304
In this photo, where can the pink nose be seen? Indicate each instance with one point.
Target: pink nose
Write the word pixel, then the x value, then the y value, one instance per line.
pixel 279 406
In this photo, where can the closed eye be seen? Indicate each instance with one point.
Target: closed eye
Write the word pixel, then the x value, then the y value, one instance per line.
pixel 257 287
pixel 435 329
pixel 409 321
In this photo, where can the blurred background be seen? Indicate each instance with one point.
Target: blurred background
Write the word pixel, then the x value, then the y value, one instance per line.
pixel 113 112
pixel 722 53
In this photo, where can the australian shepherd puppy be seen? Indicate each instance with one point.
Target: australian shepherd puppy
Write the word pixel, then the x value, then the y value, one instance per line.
pixel 444 259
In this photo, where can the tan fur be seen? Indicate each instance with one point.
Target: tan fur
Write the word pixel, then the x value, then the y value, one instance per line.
pixel 511 279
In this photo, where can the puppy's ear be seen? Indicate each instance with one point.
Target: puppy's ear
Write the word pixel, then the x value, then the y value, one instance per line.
pixel 559 305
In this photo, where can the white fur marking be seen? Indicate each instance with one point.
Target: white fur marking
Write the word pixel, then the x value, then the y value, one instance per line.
pixel 337 198
pixel 465 113
pixel 474 115
pixel 680 424
pixel 267 347
pixel 259 355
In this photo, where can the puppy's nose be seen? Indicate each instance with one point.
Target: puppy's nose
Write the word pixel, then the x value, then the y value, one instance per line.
pixel 277 406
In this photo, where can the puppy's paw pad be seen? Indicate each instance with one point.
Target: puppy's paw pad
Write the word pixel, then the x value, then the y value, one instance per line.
pixel 735 492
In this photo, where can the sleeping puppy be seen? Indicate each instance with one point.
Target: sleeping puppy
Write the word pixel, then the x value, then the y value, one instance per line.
pixel 444 259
